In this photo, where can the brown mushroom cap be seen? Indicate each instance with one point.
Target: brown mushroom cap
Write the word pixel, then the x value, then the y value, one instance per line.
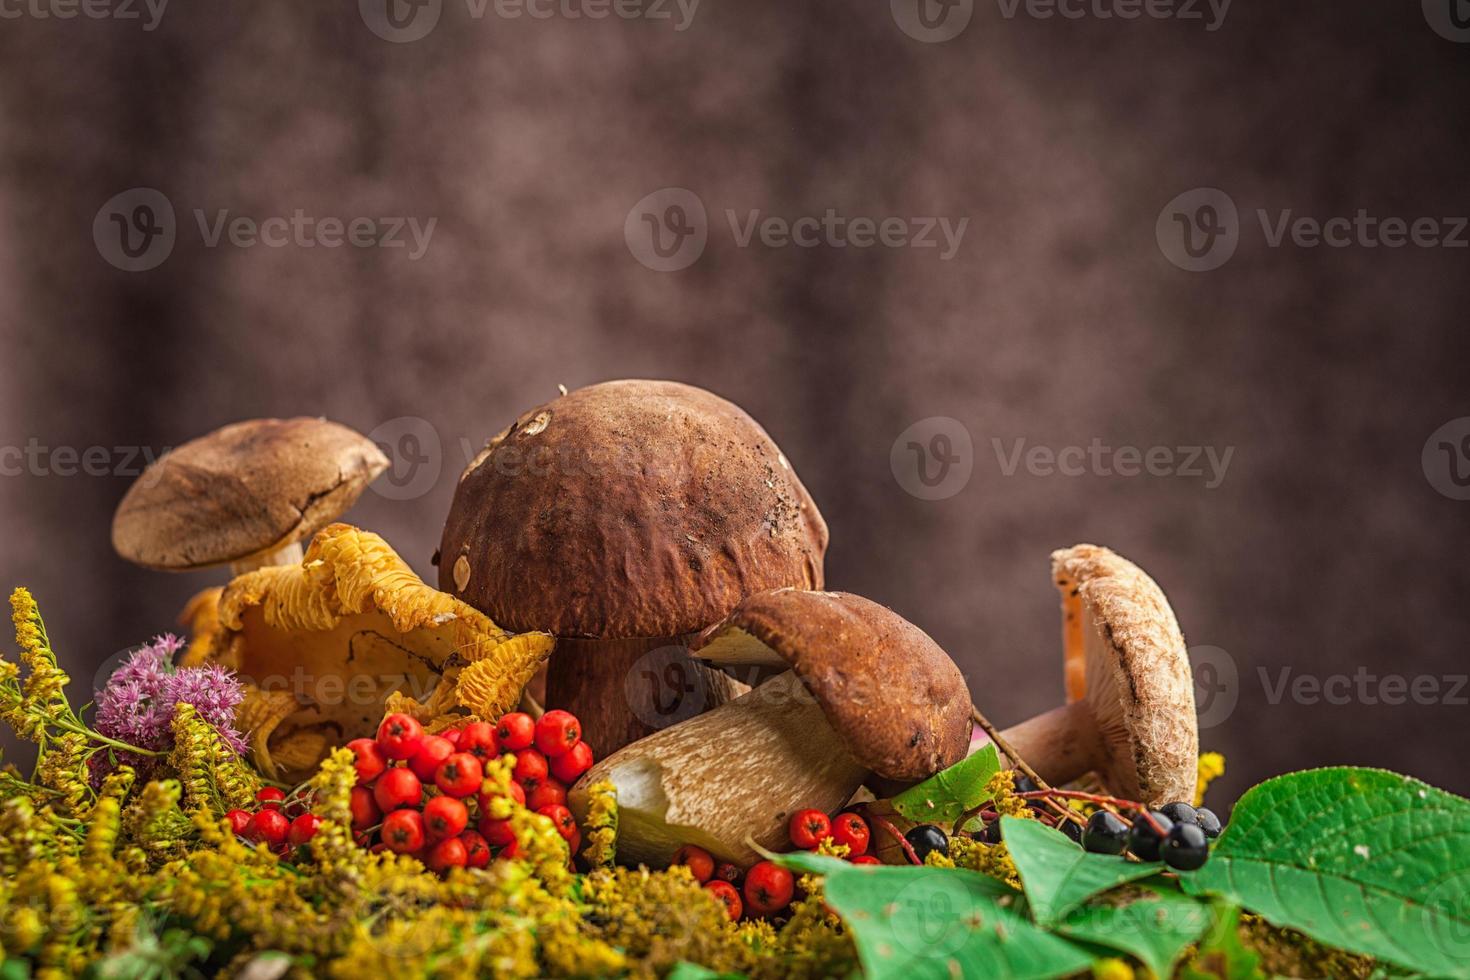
pixel 243 490
pixel 895 698
pixel 1126 657
pixel 628 509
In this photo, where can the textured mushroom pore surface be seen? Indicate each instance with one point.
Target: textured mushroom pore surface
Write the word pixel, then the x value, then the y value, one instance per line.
pixel 243 491
pixel 895 698
pixel 736 772
pixel 628 509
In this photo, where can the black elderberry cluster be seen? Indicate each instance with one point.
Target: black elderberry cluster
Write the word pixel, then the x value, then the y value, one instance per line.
pixel 1178 834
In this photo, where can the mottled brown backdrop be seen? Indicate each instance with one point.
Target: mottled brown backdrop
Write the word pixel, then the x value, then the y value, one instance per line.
pixel 1325 549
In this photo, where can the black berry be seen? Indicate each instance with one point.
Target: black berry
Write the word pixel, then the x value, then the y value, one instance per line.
pixel 1144 841
pixel 1073 830
pixel 1106 833
pixel 1025 784
pixel 1180 813
pixel 991 833
pixel 925 838
pixel 1185 847
pixel 1209 823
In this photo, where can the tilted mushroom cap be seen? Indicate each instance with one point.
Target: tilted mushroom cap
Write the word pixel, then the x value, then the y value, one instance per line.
pixel 1125 655
pixel 628 509
pixel 244 490
pixel 895 698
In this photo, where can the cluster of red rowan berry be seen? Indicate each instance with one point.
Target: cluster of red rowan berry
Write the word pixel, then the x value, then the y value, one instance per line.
pixel 426 795
pixel 767 888
pixel 283 824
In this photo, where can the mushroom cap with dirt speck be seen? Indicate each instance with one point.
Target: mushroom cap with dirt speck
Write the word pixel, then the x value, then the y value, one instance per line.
pixel 1126 657
pixel 895 698
pixel 628 509
pixel 243 490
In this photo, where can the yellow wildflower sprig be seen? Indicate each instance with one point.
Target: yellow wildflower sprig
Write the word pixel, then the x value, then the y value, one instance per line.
pixel 1211 768
pixel 212 775
pixel 601 825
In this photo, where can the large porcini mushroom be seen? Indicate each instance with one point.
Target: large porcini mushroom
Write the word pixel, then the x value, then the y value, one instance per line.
pixel 325 647
pixel 864 692
pixel 1130 715
pixel 245 495
pixel 623 518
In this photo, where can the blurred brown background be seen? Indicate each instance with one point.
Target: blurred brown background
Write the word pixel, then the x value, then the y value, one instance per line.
pixel 1326 549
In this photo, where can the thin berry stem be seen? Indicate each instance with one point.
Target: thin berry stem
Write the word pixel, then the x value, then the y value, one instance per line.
pixel 902 840
pixel 1000 742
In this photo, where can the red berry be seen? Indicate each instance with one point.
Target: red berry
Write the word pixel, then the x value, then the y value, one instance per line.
pixel 303 829
pixel 515 731
pixel 852 830
pixel 497 832
pixel 399 736
pixel 403 831
pixel 397 787
pixel 728 896
pixel 478 739
pixel 562 818
pixel 530 769
pixel 572 763
pixel 365 810
pixel 268 826
pixel 447 854
pixel 370 760
pixel 865 859
pixel 725 871
pixel 556 732
pixel 445 817
pixel 511 850
pixel 477 849
pixel 546 794
pixel 270 798
pixel 486 797
pixel 239 820
pixel 768 888
pixel 460 775
pixel 808 828
pixel 433 750
pixel 698 860
pixel 453 734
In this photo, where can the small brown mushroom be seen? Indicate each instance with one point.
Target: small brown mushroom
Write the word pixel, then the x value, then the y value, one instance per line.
pixel 1130 715
pixel 623 518
pixel 245 495
pixel 864 692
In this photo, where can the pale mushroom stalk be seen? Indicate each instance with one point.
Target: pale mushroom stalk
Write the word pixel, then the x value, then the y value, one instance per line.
pixel 289 554
pixel 734 773
pixel 623 518
pixel 1130 715
pixel 862 692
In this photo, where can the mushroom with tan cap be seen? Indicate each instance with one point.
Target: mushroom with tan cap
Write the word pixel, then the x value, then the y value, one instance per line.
pixel 245 495
pixel 1130 715
pixel 864 692
pixel 623 518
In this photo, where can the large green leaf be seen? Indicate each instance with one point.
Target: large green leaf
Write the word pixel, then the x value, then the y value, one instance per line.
pixel 1154 924
pixel 947 794
pixel 915 923
pixel 1057 874
pixel 1365 860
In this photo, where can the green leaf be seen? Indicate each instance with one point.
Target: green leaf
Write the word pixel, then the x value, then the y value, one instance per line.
pixel 684 970
pixel 1154 924
pixel 1057 874
pixel 1361 859
pixel 946 795
pixel 1221 951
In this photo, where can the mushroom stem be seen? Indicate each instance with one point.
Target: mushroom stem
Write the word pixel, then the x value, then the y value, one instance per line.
pixel 1061 745
pixel 727 776
pixel 286 554
pixel 625 690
